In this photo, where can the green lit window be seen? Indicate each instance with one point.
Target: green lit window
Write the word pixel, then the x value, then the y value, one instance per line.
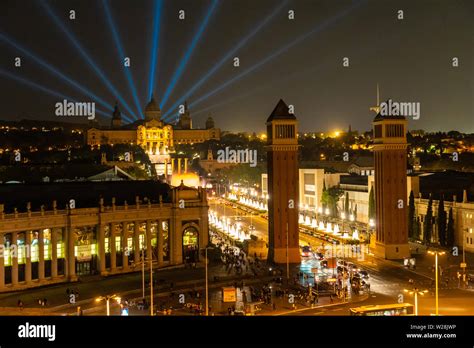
pixel 34 253
pixel 21 254
pixel 6 257
pixel 47 252
pixel 60 250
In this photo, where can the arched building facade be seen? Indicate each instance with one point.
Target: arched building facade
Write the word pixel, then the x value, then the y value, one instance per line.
pixel 52 245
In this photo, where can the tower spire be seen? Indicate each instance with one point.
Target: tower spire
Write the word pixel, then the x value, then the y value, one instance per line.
pixel 376 108
pixel 378 95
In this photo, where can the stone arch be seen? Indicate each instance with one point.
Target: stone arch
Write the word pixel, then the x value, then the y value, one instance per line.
pixel 190 242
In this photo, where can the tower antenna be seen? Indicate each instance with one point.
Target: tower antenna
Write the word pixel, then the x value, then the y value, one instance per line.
pixel 376 108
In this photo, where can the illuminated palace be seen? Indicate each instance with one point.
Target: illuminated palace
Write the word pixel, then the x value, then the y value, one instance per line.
pixel 45 239
pixel 152 134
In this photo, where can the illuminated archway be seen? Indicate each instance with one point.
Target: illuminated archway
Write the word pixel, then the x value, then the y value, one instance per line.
pixel 190 244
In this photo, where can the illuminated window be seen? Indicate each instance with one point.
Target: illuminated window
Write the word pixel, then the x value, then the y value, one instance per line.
pixel 106 243
pixel 60 250
pixel 21 254
pixel 47 252
pixel 117 243
pixel 6 257
pixel 34 252
pixel 93 249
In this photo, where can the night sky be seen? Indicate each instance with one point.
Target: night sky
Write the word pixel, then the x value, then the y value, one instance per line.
pixel 411 59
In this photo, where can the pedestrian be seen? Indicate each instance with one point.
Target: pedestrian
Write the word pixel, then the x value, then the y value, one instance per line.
pixel 20 304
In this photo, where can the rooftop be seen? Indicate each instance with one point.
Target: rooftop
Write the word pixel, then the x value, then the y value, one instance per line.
pixel 85 194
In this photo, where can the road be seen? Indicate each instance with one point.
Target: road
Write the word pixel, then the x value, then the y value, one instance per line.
pixel 388 279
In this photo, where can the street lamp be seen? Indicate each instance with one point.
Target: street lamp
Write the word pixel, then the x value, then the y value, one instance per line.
pixel 287 254
pixel 436 253
pixel 416 292
pixel 207 282
pixel 464 265
pixel 107 300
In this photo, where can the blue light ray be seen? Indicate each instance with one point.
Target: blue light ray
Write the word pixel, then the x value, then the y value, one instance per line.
pixel 84 54
pixel 306 72
pixel 55 71
pixel 154 48
pixel 224 59
pixel 121 52
pixel 283 49
pixel 184 61
pixel 361 53
pixel 48 91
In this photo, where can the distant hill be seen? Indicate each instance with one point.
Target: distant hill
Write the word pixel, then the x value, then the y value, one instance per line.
pixel 26 123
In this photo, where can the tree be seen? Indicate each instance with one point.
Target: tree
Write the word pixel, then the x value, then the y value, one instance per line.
pixel 450 229
pixel 428 223
pixel 324 196
pixel 330 197
pixel 371 203
pixel 441 222
pixel 346 204
pixel 417 228
pixel 411 215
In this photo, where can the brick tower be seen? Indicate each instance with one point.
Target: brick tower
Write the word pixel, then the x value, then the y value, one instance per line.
pixel 282 165
pixel 390 152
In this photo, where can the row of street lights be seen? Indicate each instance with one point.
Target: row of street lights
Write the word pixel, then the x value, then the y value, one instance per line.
pixel 416 291
pixel 107 298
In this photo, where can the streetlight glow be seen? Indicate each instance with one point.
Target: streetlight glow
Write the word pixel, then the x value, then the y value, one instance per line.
pixel 436 253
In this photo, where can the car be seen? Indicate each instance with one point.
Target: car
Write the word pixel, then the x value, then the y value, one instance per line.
pixel 364 274
pixel 343 263
pixel 238 218
pixel 252 228
pixel 352 267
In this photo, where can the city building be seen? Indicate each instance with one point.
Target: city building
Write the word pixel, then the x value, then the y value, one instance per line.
pixel 155 136
pixel 456 187
pixel 54 233
pixel 283 202
pixel 211 165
